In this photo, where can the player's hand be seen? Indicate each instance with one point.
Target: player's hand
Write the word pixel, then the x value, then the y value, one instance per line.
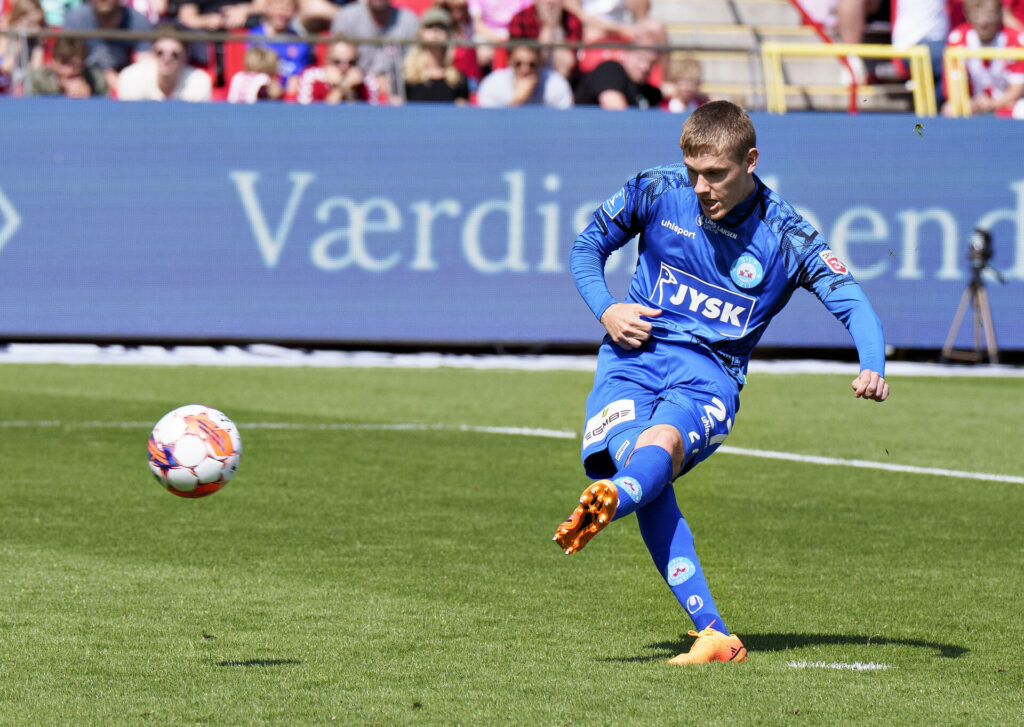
pixel 625 325
pixel 870 385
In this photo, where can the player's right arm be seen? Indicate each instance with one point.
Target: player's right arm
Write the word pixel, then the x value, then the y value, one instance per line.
pixel 615 223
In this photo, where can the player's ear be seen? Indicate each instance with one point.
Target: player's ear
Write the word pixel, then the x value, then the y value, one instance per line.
pixel 751 160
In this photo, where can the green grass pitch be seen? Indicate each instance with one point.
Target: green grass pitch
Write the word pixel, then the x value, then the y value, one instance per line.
pixel 407 577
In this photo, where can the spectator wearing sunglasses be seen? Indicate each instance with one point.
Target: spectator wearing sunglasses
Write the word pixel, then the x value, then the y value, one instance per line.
pixel 525 82
pixel 166 76
pixel 340 80
pixel 547 21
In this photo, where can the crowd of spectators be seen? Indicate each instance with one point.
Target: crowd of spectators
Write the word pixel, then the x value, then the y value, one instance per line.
pixel 445 51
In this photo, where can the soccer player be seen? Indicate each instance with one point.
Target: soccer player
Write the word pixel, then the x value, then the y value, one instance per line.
pixel 720 256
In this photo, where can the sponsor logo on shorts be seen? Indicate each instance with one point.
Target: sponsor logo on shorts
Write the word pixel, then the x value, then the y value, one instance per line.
pixel 622 450
pixel 724 311
pixel 598 426
pixel 834 263
pixel 679 571
pixel 746 271
pixel 631 487
pixel 615 204
pixel 694 603
pixel 668 224
pixel 707 224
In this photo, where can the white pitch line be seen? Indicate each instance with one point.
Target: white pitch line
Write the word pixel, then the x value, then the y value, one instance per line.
pixel 865 464
pixel 326 426
pixel 855 666
pixel 531 432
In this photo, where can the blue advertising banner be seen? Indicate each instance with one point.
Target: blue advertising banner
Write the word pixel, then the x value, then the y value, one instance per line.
pixel 436 224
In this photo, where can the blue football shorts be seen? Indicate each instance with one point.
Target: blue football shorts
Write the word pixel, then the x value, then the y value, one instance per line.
pixel 659 383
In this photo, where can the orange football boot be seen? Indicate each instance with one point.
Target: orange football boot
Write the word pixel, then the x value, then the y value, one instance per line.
pixel 712 645
pixel 596 509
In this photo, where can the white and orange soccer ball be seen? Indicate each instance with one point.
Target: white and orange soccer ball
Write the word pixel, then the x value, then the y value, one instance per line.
pixel 194 450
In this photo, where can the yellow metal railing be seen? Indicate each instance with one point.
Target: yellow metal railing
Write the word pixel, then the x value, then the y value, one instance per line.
pixel 958 89
pixel 923 81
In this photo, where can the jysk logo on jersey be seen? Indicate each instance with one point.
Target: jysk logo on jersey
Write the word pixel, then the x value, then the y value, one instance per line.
pixel 834 263
pixel 631 486
pixel 623 410
pixel 615 204
pixel 679 571
pixel 746 271
pixel 724 311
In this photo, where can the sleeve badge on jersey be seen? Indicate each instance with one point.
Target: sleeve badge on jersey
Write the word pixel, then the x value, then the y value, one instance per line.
pixel 615 204
pixel 834 263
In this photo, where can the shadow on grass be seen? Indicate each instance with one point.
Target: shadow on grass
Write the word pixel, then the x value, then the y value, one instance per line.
pixel 260 662
pixel 783 642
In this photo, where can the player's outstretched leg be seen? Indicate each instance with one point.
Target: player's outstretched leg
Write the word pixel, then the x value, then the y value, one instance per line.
pixel 668 538
pixel 596 509
pixel 639 482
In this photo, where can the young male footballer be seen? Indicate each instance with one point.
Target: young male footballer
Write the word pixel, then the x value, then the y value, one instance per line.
pixel 720 255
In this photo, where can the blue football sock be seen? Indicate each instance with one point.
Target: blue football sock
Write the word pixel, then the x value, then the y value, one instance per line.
pixel 670 541
pixel 642 479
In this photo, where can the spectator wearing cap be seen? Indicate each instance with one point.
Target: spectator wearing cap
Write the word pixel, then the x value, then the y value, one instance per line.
pixel 377 19
pixel 164 75
pixel 429 71
pixel 524 82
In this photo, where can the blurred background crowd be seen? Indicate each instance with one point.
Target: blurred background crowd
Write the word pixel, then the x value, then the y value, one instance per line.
pixel 614 54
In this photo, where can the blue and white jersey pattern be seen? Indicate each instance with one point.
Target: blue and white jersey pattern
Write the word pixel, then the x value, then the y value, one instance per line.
pixel 718 284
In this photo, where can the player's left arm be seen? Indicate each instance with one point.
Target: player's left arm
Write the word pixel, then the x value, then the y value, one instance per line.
pixel 828 278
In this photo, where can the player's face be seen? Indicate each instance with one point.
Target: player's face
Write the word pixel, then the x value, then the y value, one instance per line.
pixel 720 181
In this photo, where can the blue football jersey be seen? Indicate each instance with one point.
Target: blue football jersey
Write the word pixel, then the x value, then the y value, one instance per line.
pixel 718 284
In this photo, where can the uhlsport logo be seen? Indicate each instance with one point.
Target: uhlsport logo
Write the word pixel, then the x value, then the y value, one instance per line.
pixel 707 224
pixel 724 311
pixel 615 204
pixel 746 271
pixel 631 486
pixel 679 571
pixel 598 426
pixel 694 603
pixel 834 263
pixel 668 224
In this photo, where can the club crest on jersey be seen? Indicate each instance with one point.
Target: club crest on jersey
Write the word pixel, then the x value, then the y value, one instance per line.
pixel 834 263
pixel 722 310
pixel 679 570
pixel 631 486
pixel 746 271
pixel 615 204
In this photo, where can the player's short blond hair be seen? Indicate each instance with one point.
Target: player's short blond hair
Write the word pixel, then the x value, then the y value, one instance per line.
pixel 718 127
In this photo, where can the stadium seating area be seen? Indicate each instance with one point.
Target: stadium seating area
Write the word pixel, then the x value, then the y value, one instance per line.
pixel 720 44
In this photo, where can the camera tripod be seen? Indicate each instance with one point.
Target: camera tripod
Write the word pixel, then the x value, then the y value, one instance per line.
pixel 976 297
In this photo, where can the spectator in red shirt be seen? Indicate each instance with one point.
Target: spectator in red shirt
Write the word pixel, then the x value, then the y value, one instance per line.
pixel 996 86
pixel 340 79
pixel 463 56
pixel 547 21
pixel 1013 14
